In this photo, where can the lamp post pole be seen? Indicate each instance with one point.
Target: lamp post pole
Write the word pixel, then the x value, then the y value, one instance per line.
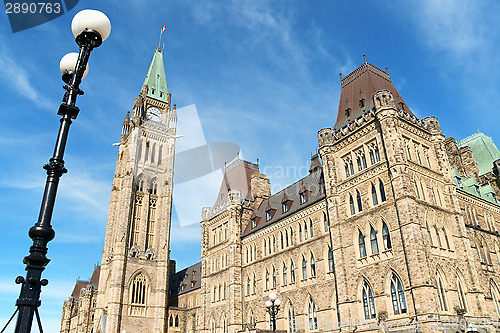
pixel 42 233
pixel 273 307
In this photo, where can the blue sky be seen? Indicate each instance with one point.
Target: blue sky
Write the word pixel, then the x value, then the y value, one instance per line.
pixel 264 75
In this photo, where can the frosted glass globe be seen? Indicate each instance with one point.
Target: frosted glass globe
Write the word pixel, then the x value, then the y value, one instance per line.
pixel 91 19
pixel 68 64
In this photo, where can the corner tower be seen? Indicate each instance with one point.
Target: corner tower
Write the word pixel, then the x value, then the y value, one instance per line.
pixel 133 284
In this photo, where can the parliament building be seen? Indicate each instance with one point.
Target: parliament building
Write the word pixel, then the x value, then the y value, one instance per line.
pixel 394 229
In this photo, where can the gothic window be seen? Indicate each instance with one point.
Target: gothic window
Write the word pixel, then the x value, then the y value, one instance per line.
pixel 429 234
pixel 284 274
pixel 416 190
pixel 374 195
pixel 292 272
pixel 153 152
pixel 461 294
pixel 267 279
pixel 139 150
pixel 368 301
pixel 286 238
pixel 358 199
pixel 438 237
pixel 282 241
pixel 362 246
pixel 146 153
pixel 313 315
pixel 330 259
pixel 417 150
pixel 311 229
pixel 138 295
pixel 304 268
pixel 254 285
pixel 274 244
pixel 225 326
pixel 300 233
pixel 446 240
pixel 397 296
pixel 386 237
pixel 373 241
pixel 374 153
pixel 351 204
pixel 349 167
pixel 171 321
pixel 291 236
pixel 212 327
pixel 269 244
pixel 313 265
pixel 306 235
pixel 265 247
pixel 441 294
pixel 151 223
pixel 159 154
pixel 382 191
pixel 136 223
pixel 325 222
pixel 275 278
pixel 496 298
pixel 362 103
pixel 292 328
pixel 224 290
pixel 176 323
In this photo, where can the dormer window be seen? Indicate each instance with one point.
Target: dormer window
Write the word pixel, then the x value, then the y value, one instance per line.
pixel 285 206
pixel 458 180
pixel 152 91
pixel 303 197
pixel 362 103
pixel 478 191
pixel 269 215
pixel 192 283
pixel 347 112
pixel 254 222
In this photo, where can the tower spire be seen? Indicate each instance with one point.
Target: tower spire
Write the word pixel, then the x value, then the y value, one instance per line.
pixel 156 81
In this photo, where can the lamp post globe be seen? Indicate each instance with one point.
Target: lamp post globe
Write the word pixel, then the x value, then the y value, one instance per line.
pixel 90 28
pixel 273 296
pixel 273 306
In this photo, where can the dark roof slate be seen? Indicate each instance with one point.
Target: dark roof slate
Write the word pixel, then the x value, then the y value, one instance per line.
pixel 189 277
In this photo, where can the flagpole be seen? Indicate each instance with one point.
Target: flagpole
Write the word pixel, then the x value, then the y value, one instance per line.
pixel 161 32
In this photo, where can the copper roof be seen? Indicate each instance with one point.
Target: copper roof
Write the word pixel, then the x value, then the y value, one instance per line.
pixel 185 280
pixel 357 90
pixel 237 176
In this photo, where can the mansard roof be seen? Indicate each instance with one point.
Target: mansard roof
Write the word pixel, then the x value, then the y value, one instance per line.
pixel 185 280
pixel 237 175
pixel 311 182
pixel 357 90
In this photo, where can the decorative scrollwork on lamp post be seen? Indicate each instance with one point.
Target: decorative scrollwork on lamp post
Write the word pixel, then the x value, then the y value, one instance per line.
pixel 273 307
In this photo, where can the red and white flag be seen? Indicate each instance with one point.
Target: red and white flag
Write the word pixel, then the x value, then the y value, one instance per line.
pixel 162 29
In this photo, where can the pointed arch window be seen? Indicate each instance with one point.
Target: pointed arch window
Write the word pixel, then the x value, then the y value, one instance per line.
pixel 176 322
pixel 446 240
pixel 373 240
pixel 358 199
pixel 282 241
pixel 416 190
pixel 461 294
pixel 330 259
pixel 443 305
pixel 254 284
pixel 361 243
pixel 225 325
pixel 311 229
pixel 304 268
pixel 351 204
pixel 275 278
pixel 306 235
pixel 313 265
pixel 138 295
pixel 313 315
pixel 267 279
pixel 429 234
pixel 159 154
pixel 374 195
pixel 292 272
pixel 285 277
pixel 274 244
pixel 291 236
pixel 300 232
pixel 325 222
pixel 496 298
pixel 248 286
pixel 397 296
pixel 382 191
pixel 386 237
pixel 265 247
pixel 171 321
pixel 368 301
pixel 292 328
pixel 438 237
pixel 286 238
pixel 146 154
pixel 153 152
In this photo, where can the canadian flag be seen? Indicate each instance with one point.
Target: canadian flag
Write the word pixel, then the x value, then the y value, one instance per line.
pixel 163 29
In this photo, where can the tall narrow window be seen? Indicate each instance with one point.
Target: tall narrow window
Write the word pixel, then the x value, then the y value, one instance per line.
pixel 325 222
pixel 496 298
pixel 311 229
pixel 146 154
pixel 397 296
pixel 292 328
pixel 285 278
pixel 386 237
pixel 330 259
pixel 176 323
pixel 225 325
pixel 358 199
pixel 362 246
pixel 248 286
pixel 282 241
pixel 138 295
pixel 286 238
pixel 429 234
pixel 151 223
pixel 313 265
pixel 267 279
pixel 275 278
pixel 416 190
pixel 368 301
pixel 351 205
pixel 137 220
pixel 461 294
pixel 373 241
pixel 313 316
pixel 265 247
pixel 374 195
pixel 159 154
pixel 446 240
pixel 304 268
pixel 292 272
pixel 292 241
pixel 300 233
pixel 153 152
pixel 438 237
pixel 382 191
pixel 441 294
pixel 274 244
pixel 306 235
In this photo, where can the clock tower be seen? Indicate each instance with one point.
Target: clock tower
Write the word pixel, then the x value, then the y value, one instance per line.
pixel 133 283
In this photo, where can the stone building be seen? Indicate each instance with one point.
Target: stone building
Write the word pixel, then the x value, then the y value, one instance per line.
pixel 394 229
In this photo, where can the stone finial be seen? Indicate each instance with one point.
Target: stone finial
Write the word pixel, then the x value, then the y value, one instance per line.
pixel 234 197
pixel 383 99
pixel 205 213
pixel 433 125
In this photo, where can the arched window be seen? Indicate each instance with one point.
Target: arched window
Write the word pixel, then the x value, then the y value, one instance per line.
pixel 330 259
pixel 446 240
pixel 292 328
pixel 274 244
pixel 248 285
pixel 416 190
pixel 429 234
pixel 386 237
pixel 286 238
pixel 265 247
pixel 251 320
pixel 139 150
pixel 304 268
pixel 254 284
pixel 153 151
pixel 325 222
pixel 306 235
pixel 373 240
pixel 285 279
pixel 146 154
pixel 496 298
pixel 275 278
pixel 368 302
pixel 282 241
pixel 267 279
pixel 351 204
pixel 443 305
pixel 176 324
pixel 171 321
pixel 138 295
pixel 313 315
pixel 358 199
pixel 362 246
pixel 382 191
pixel 300 232
pixel 225 325
pixel 291 236
pixel 292 272
pixel 313 265
pixel 438 237
pixel 212 327
pixel 159 154
pixel 397 296
pixel 461 294
pixel 374 195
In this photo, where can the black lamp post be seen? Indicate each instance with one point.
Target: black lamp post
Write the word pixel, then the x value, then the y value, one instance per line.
pixel 90 28
pixel 273 307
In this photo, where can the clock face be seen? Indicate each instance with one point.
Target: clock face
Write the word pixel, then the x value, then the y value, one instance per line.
pixel 153 113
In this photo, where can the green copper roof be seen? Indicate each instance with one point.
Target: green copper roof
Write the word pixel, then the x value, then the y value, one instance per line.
pixel 155 79
pixel 484 149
